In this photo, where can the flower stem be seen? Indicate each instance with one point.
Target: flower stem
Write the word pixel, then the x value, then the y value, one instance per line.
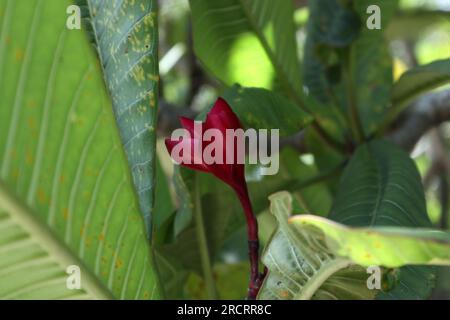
pixel 256 277
pixel 203 243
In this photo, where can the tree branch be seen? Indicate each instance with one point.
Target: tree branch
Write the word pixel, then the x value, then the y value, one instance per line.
pixel 300 3
pixel 427 112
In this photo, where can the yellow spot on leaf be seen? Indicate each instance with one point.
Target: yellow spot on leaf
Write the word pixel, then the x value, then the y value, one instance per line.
pixel 65 213
pixel 31 122
pixel 19 55
pixel 42 198
pixel 29 158
pixel 118 263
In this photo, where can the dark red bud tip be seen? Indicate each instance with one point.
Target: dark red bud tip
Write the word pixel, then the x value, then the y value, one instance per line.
pixel 187 124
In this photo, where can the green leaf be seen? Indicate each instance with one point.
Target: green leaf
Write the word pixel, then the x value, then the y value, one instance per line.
pixel 247 42
pixel 418 81
pixel 310 257
pixel 371 64
pixel 420 20
pixel 262 109
pixel 328 27
pixel 382 187
pixel 300 266
pixel 380 246
pixel 66 196
pixel 340 54
pixel 126 38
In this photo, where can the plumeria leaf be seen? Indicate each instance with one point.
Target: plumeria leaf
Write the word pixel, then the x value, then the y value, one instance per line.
pixel 66 196
pixel 371 64
pixel 382 187
pixel 126 37
pixel 368 58
pixel 301 267
pixel 262 109
pixel 259 108
pixel 308 256
pixel 419 80
pixel 382 246
pixel 247 42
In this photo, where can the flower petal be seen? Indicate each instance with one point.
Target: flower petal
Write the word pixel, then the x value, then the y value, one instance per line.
pixel 222 117
pixel 195 160
pixel 187 124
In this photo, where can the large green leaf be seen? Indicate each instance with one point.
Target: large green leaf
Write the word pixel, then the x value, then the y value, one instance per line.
pixel 66 197
pixel 419 80
pixel 262 109
pixel 301 267
pixel 382 187
pixel 342 54
pixel 247 42
pixel 308 256
pixel 379 187
pixel 371 65
pixel 329 25
pixel 126 38
pixel 381 246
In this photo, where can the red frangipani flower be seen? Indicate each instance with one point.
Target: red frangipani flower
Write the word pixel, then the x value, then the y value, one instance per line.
pixel 229 168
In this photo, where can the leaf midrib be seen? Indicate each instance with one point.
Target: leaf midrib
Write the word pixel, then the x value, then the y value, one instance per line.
pixel 44 236
pixel 321 276
pixel 380 191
